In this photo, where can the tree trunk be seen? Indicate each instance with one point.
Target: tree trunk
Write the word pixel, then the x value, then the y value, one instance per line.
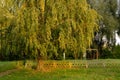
pixel 40 63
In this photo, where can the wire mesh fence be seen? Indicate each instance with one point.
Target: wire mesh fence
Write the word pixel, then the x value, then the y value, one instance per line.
pixel 77 64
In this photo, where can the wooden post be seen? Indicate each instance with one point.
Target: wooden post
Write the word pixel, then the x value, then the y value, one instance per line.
pixel 84 56
pixel 63 55
pixel 97 54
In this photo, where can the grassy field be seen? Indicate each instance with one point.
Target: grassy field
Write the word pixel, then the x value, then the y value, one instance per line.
pixel 79 74
pixel 7 65
pixel 101 73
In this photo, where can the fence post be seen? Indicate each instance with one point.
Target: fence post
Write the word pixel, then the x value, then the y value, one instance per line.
pixel 63 55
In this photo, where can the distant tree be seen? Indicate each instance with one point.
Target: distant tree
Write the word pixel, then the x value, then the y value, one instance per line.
pixel 108 25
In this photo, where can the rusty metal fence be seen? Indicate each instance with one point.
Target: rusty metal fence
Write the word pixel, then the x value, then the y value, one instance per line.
pixel 77 64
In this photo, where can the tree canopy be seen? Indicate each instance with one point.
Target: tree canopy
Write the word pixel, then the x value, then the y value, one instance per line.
pixel 46 28
pixel 109 25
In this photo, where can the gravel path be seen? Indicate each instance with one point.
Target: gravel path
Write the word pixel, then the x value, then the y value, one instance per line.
pixel 7 72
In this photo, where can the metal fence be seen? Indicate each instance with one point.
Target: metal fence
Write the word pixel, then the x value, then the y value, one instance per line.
pixel 77 64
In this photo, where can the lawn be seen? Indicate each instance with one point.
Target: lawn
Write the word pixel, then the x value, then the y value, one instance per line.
pixel 99 73
pixel 79 74
pixel 7 65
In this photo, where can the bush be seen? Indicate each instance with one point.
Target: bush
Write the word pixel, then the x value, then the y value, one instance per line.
pixel 116 52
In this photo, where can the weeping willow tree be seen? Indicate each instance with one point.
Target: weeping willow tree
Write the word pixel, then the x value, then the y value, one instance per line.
pixel 72 24
pixel 45 28
pixel 6 20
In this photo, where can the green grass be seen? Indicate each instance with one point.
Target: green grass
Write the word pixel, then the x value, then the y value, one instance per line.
pixel 7 65
pixel 100 73
pixel 79 74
